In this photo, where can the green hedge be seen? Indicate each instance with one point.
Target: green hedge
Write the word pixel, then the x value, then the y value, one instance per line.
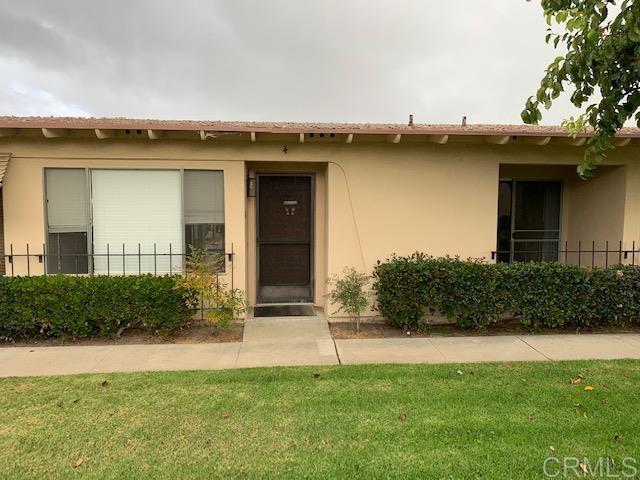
pixel 475 293
pixel 78 307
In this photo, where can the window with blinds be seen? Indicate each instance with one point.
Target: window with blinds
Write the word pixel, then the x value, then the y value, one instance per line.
pixel 67 209
pixel 137 214
pixel 204 212
pixel 133 221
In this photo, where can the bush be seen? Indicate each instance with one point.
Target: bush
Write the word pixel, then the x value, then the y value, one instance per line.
pixel 202 283
pixel 79 307
pixel 349 293
pixel 475 293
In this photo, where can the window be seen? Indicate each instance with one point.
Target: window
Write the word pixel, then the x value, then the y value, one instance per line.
pixel 67 218
pixel 528 220
pixel 204 211
pixel 135 211
pixel 141 220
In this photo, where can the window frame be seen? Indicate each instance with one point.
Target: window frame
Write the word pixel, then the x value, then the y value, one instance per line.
pixel 561 205
pixel 47 226
pixel 185 224
pixel 89 204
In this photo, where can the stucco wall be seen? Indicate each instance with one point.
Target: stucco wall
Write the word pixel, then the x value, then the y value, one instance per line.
pixel 23 199
pixel 373 199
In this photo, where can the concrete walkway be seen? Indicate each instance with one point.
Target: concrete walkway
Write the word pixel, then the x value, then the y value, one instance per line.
pixel 307 341
pixel 506 348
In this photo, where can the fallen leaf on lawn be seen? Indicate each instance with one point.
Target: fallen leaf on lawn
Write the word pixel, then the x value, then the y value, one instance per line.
pixel 316 375
pixel 583 467
pixel 459 372
pixel 588 388
pixel 403 417
pixel 104 383
pixel 552 448
pixel 79 462
pixel 576 381
pixel 617 438
pixel 226 414
pixel 531 417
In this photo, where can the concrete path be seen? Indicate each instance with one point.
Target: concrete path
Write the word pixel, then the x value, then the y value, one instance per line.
pixel 489 349
pixel 307 341
pixel 287 341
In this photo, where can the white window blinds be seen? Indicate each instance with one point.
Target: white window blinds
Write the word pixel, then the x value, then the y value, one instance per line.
pixel 132 207
pixel 66 192
pixel 203 196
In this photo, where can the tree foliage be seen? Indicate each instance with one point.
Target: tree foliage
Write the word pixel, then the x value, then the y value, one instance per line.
pixel 601 66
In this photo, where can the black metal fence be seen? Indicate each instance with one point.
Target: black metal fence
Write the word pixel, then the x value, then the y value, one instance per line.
pixel 116 262
pixel 587 254
pixel 159 260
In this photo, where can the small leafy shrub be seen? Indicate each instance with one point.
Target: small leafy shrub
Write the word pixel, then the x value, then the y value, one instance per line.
pixel 475 293
pixel 79 307
pixel 202 286
pixel 407 288
pixel 349 293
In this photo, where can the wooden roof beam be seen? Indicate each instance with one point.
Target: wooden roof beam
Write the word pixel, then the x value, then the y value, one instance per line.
pixel 55 132
pixel 439 139
pixel 537 140
pixel 621 141
pixel 102 134
pixel 574 142
pixel 497 139
pixel 155 134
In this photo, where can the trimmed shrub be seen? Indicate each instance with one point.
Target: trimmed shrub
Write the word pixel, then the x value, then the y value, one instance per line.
pixel 79 307
pixel 475 293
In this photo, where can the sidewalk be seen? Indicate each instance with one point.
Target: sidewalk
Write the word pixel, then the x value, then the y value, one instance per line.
pixel 307 341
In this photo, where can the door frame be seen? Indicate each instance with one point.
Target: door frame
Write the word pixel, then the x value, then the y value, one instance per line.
pixel 312 234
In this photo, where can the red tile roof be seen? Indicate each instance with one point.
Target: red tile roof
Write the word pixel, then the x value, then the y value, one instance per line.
pixel 289 127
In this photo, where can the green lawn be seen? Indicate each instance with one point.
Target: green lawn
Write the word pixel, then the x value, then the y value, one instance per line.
pixel 492 421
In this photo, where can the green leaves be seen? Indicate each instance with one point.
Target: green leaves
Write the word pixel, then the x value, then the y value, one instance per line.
pixel 349 293
pixel 601 55
pixel 476 293
pixel 79 307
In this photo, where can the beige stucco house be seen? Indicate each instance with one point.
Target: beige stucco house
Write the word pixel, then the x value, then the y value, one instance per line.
pixel 292 204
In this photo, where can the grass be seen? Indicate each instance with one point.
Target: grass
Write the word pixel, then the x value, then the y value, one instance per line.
pixel 422 421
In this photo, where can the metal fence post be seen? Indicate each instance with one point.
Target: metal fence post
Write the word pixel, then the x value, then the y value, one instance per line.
pixel 28 262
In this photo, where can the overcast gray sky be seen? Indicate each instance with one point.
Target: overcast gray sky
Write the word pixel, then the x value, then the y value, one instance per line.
pixel 286 60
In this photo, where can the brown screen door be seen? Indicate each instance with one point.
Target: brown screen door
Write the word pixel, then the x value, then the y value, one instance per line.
pixel 285 247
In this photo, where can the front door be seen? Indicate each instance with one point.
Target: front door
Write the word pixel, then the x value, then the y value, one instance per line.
pixel 284 242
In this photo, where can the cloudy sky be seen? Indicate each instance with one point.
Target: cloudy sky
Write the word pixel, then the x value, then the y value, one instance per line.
pixel 286 60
